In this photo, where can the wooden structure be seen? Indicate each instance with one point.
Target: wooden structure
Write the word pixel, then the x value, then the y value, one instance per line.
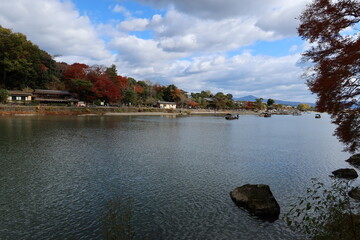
pixel 53 96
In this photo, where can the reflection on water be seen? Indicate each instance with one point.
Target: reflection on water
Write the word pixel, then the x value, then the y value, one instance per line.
pixel 57 173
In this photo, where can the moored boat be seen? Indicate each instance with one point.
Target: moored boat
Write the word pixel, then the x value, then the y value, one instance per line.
pixel 267 115
pixel 231 117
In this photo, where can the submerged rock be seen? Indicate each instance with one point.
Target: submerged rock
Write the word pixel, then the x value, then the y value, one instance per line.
pixel 355 193
pixel 258 199
pixel 345 173
pixel 354 160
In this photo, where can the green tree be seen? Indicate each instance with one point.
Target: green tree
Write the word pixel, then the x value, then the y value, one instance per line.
pixel 82 87
pixel 223 101
pixel 23 64
pixel 270 102
pixel 3 95
pixel 303 107
pixel 206 94
pixel 129 97
pixel 168 93
pixel 334 75
pixel 131 81
pixel 112 72
pixel 220 100
pixel 143 91
pixel 203 103
pixel 259 104
pixel 150 101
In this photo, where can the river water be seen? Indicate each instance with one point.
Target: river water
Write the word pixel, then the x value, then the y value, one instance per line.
pixel 58 173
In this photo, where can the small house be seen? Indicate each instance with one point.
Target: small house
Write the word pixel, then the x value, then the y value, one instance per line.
pixel 167 105
pixel 211 102
pixel 17 96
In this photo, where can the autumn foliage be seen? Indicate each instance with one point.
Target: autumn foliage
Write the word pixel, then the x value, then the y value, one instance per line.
pixel 332 29
pixel 91 83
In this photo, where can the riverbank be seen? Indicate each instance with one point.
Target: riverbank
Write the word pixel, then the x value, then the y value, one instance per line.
pixel 19 110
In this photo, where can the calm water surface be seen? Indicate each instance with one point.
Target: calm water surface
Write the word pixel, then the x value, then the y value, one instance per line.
pixel 57 173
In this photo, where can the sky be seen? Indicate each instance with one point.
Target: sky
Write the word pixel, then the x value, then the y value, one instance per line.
pixel 242 47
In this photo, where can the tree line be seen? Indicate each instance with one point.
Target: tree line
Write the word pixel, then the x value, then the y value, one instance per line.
pixel 23 65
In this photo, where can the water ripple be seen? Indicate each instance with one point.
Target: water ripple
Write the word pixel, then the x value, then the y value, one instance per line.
pixel 58 173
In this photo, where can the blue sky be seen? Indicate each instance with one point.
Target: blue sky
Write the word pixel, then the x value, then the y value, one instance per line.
pixel 242 47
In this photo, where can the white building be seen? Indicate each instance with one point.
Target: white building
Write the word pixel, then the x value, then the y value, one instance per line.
pixel 167 105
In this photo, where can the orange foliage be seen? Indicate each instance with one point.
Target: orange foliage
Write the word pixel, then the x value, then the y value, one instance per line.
pixel 139 89
pixel 192 103
pixel 76 71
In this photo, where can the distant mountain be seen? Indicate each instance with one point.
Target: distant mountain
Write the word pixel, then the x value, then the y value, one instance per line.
pixel 251 98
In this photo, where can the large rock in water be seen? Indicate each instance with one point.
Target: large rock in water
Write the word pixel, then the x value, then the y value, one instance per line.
pixel 355 193
pixel 345 173
pixel 258 199
pixel 354 160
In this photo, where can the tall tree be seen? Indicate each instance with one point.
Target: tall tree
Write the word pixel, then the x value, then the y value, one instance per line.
pixel 259 104
pixel 103 88
pixel 332 29
pixel 112 72
pixel 130 97
pixel 76 71
pixel 168 93
pixel 270 102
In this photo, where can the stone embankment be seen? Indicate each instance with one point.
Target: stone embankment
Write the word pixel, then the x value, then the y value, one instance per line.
pixel 18 110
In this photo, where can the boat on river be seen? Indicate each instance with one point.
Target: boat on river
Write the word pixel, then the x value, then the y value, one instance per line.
pixel 265 114
pixel 317 115
pixel 231 117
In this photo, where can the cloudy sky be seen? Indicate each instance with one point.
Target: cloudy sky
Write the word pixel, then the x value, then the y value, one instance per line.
pixel 243 47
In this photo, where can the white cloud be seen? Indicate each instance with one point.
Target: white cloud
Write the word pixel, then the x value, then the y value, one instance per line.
pixel 282 20
pixel 277 16
pixel 121 9
pixel 179 43
pixel 177 32
pixel 55 26
pixel 138 51
pixel 138 24
pixel 293 48
pixel 212 9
